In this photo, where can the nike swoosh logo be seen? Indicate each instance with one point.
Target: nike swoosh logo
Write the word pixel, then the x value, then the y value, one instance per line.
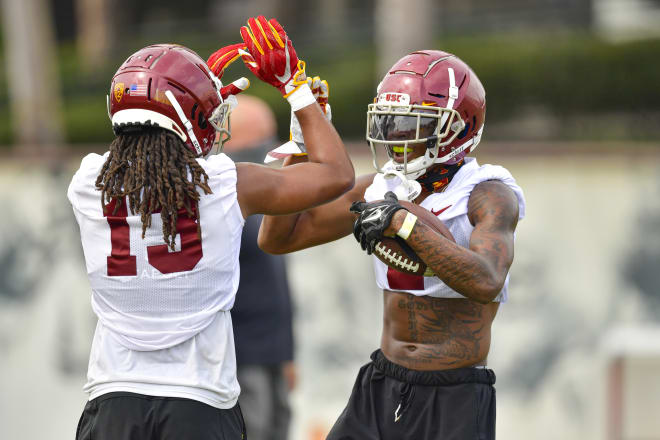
pixel 287 72
pixel 440 211
pixel 375 215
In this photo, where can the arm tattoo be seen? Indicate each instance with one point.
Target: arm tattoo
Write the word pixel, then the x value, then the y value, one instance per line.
pixel 478 272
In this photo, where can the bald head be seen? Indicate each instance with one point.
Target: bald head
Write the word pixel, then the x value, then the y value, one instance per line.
pixel 252 125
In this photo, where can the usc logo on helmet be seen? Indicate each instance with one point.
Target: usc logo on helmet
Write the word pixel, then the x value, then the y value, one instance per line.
pixel 395 98
pixel 119 91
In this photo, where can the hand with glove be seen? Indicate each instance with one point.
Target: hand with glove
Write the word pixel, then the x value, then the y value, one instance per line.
pixel 296 146
pixel 271 57
pixel 320 91
pixel 373 219
pixel 218 62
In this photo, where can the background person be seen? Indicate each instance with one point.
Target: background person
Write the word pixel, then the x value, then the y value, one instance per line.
pixel 262 314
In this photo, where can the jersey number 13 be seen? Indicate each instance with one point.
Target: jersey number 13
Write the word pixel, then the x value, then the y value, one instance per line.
pixel 122 263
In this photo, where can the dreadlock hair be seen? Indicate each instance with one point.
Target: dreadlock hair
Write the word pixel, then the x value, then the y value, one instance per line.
pixel 157 172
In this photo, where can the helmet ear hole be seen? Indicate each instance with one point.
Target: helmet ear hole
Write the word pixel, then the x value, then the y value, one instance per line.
pixel 431 142
pixel 201 121
pixel 465 131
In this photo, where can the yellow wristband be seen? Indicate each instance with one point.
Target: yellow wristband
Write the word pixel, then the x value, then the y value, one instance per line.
pixel 407 226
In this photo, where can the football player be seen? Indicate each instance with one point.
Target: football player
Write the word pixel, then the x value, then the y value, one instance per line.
pixel 429 378
pixel 160 223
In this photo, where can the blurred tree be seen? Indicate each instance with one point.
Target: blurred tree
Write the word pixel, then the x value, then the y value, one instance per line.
pixel 64 19
pixel 33 85
pixel 402 26
pixel 231 14
pixel 94 33
pixel 331 16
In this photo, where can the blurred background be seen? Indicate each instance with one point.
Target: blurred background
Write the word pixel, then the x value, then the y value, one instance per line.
pixel 573 97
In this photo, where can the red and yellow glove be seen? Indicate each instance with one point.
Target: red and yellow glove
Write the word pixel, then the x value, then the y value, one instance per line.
pixel 271 57
pixel 218 62
pixel 223 57
pixel 296 146
pixel 320 91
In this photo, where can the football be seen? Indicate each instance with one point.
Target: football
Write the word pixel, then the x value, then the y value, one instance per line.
pixel 397 254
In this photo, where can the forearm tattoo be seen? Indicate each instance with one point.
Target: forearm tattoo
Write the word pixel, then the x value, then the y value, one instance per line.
pixel 478 272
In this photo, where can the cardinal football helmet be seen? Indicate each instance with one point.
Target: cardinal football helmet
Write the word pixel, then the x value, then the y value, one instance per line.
pixel 427 96
pixel 170 86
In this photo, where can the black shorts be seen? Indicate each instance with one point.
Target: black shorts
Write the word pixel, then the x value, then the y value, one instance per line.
pixel 392 402
pixel 129 416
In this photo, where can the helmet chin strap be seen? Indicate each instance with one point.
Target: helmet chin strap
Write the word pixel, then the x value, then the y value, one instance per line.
pixel 472 142
pixel 184 120
pixel 406 189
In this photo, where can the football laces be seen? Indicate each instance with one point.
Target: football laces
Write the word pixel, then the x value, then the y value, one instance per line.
pixel 396 259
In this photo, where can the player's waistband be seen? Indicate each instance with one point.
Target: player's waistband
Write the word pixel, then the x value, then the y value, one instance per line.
pixel 433 378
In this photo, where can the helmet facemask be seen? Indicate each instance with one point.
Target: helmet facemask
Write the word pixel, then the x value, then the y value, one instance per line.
pixel 221 121
pixel 396 127
pixel 220 118
pixel 430 99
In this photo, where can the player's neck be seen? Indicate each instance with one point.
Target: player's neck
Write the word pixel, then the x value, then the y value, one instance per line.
pixel 437 178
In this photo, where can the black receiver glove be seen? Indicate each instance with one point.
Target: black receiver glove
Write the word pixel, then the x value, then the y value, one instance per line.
pixel 373 219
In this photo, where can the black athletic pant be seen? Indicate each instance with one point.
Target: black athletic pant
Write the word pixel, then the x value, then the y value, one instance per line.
pixel 128 416
pixel 390 402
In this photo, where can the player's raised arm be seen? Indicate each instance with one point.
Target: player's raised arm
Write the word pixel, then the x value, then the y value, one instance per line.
pixel 331 221
pixel 329 173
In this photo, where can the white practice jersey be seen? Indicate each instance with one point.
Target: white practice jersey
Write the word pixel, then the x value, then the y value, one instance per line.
pixel 451 207
pixel 164 326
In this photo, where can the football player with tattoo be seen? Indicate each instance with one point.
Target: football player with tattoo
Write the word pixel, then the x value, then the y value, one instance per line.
pixel 429 379
pixel 160 223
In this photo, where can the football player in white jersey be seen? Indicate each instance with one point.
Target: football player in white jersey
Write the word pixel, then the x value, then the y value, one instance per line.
pixel 429 377
pixel 160 224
